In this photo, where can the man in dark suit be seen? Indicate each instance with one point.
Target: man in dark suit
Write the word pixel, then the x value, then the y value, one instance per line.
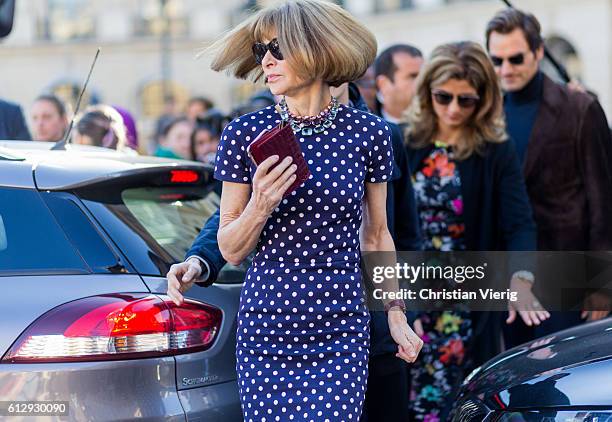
pixel 12 122
pixel 564 143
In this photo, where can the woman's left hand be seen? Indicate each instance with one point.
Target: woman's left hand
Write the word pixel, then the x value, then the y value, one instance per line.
pixel 526 305
pixel 409 344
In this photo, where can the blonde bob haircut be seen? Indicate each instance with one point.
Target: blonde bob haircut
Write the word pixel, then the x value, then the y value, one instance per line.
pixel 318 39
pixel 462 61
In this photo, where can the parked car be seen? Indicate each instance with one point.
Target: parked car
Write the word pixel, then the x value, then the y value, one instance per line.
pixel 87 236
pixel 566 377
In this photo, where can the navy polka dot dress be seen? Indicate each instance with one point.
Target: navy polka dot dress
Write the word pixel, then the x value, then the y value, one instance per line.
pixel 302 340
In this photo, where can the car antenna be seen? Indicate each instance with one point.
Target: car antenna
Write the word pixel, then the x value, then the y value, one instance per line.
pixel 61 145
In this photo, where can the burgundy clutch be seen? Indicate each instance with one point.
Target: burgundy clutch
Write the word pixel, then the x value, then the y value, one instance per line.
pixel 282 142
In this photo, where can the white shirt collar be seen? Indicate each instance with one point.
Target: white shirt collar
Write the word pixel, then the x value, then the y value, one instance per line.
pixel 388 118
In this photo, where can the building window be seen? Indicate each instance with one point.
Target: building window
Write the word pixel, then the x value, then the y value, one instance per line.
pixel 66 20
pixel 159 17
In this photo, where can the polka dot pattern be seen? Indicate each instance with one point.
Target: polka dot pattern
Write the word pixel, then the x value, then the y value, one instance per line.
pixel 302 338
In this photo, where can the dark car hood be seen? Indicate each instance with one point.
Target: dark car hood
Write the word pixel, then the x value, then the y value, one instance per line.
pixel 570 368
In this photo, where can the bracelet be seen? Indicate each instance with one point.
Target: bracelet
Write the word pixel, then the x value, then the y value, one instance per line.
pixel 396 302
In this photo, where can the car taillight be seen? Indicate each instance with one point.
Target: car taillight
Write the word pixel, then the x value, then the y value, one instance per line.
pixel 184 176
pixel 117 326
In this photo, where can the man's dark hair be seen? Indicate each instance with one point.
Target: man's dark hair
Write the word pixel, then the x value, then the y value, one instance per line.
pixel 215 120
pixel 384 64
pixel 509 19
pixel 205 102
pixel 57 103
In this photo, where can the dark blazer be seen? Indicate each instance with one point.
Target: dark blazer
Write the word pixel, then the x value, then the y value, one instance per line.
pixel 497 217
pixel 568 171
pixel 12 122
pixel 402 221
pixel 402 217
pixel 206 246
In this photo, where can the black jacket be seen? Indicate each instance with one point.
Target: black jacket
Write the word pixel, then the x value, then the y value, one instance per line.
pixel 402 218
pixel 402 221
pixel 497 217
pixel 12 122
pixel 496 209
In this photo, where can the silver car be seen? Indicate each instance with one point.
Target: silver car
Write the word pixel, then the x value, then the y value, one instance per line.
pixel 86 330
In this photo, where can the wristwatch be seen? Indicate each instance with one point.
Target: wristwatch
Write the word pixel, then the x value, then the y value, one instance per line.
pixel 396 302
pixel 525 275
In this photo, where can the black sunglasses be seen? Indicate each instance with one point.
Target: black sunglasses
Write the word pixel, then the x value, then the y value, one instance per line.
pixel 445 98
pixel 260 49
pixel 514 60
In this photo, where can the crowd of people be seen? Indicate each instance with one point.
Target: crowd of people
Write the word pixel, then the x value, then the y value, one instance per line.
pixel 190 135
pixel 488 153
pixel 193 135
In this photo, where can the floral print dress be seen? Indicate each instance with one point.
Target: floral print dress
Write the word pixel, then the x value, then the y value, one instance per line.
pixel 443 361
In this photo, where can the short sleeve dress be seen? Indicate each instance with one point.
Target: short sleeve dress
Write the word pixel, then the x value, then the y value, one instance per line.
pixel 302 339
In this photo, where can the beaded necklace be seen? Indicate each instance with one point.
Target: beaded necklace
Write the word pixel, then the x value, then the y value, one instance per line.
pixel 307 125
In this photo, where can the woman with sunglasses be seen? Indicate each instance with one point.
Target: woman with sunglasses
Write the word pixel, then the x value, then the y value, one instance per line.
pixel 302 338
pixel 470 196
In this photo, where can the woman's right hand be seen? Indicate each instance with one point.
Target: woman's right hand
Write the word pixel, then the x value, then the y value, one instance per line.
pixel 270 185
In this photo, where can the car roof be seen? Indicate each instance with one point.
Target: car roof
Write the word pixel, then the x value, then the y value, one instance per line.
pixel 30 164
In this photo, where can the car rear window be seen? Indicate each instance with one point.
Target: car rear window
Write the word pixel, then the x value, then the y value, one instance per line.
pixel 155 226
pixel 31 241
pixel 94 250
pixel 172 218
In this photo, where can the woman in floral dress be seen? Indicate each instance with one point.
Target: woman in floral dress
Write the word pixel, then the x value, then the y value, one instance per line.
pixel 470 196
